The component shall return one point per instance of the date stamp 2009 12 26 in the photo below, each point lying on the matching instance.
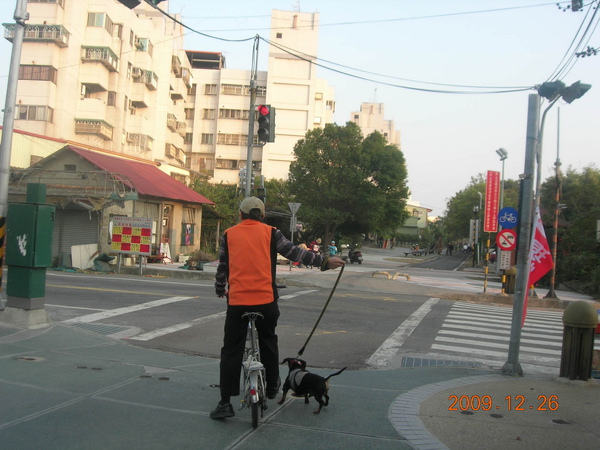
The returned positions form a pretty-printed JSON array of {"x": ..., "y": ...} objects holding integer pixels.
[{"x": 508, "y": 403}]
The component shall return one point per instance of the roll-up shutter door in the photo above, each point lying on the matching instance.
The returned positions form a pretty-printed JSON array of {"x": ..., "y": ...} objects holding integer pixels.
[{"x": 79, "y": 227}]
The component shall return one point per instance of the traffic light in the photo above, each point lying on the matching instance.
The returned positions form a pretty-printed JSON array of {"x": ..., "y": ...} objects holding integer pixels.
[
  {"x": 134, "y": 3},
  {"x": 130, "y": 3},
  {"x": 266, "y": 123},
  {"x": 242, "y": 176}
]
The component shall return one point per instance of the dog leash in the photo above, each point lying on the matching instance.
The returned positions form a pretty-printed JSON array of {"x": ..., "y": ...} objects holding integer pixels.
[{"x": 322, "y": 312}]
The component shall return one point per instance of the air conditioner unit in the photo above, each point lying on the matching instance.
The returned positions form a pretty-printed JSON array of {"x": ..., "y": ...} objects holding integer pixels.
[{"x": 137, "y": 72}]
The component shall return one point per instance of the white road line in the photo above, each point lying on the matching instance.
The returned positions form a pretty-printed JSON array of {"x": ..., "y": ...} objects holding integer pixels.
[
  {"x": 495, "y": 345},
  {"x": 556, "y": 336},
  {"x": 392, "y": 344},
  {"x": 297, "y": 294},
  {"x": 173, "y": 329},
  {"x": 490, "y": 353},
  {"x": 120, "y": 311},
  {"x": 496, "y": 337}
]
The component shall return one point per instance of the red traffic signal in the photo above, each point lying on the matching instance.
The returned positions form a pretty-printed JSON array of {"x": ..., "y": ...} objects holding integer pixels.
[{"x": 266, "y": 123}]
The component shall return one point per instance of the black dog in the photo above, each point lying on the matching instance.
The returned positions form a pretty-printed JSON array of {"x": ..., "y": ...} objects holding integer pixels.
[{"x": 304, "y": 383}]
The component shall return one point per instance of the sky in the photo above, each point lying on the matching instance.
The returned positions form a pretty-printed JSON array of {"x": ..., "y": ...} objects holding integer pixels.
[{"x": 408, "y": 54}]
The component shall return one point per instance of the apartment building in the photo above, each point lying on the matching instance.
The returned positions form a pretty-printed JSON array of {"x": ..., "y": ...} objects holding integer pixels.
[
  {"x": 97, "y": 73},
  {"x": 219, "y": 144},
  {"x": 371, "y": 118}
]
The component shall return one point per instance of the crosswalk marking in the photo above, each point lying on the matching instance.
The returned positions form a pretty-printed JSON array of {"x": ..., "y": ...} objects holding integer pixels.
[
  {"x": 173, "y": 329},
  {"x": 484, "y": 331},
  {"x": 120, "y": 311}
]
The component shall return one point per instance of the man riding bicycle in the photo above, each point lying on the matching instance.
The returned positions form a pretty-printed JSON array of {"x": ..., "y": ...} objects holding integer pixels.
[{"x": 246, "y": 275}]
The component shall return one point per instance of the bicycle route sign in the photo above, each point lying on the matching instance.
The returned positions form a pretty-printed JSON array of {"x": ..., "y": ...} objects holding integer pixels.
[
  {"x": 506, "y": 239},
  {"x": 508, "y": 217}
]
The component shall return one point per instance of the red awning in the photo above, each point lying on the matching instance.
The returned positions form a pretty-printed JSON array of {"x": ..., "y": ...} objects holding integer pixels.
[{"x": 147, "y": 179}]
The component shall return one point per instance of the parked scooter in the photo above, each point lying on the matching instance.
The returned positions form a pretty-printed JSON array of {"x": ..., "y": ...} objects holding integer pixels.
[{"x": 355, "y": 256}]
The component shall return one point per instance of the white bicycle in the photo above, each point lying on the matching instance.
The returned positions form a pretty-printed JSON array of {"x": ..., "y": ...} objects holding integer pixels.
[{"x": 255, "y": 392}]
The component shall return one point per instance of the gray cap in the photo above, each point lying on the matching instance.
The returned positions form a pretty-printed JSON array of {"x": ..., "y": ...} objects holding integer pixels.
[{"x": 250, "y": 203}]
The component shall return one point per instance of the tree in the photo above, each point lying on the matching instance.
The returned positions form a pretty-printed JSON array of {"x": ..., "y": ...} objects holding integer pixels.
[
  {"x": 459, "y": 209},
  {"x": 578, "y": 251},
  {"x": 347, "y": 183}
]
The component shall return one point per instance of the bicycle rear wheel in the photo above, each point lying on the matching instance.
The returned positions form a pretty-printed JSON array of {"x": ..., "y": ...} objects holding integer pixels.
[{"x": 254, "y": 407}]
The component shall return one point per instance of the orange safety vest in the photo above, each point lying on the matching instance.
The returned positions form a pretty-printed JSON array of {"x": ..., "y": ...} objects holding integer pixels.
[{"x": 252, "y": 263}]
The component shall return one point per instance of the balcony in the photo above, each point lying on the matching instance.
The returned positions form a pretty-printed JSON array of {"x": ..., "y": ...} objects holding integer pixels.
[
  {"x": 100, "y": 54},
  {"x": 180, "y": 127},
  {"x": 176, "y": 153},
  {"x": 92, "y": 126},
  {"x": 140, "y": 97},
  {"x": 171, "y": 122},
  {"x": 139, "y": 143},
  {"x": 40, "y": 33},
  {"x": 150, "y": 79},
  {"x": 176, "y": 66}
]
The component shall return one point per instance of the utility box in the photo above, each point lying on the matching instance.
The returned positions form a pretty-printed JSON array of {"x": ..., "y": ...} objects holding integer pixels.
[{"x": 29, "y": 235}]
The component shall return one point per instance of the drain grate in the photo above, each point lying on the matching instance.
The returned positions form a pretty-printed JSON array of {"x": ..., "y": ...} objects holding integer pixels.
[
  {"x": 421, "y": 362},
  {"x": 102, "y": 329}
]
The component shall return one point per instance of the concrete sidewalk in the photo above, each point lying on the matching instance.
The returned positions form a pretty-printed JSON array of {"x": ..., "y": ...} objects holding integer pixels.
[{"x": 63, "y": 387}]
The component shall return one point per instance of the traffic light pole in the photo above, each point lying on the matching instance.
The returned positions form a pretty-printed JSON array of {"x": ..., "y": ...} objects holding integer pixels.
[{"x": 253, "y": 72}]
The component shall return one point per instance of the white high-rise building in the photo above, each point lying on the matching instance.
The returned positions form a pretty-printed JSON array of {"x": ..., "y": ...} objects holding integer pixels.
[
  {"x": 370, "y": 118},
  {"x": 99, "y": 74}
]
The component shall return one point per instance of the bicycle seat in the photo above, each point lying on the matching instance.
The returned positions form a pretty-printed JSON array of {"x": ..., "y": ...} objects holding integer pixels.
[{"x": 253, "y": 315}]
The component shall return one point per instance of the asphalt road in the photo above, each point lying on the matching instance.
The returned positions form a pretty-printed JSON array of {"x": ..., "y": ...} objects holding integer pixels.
[{"x": 185, "y": 316}]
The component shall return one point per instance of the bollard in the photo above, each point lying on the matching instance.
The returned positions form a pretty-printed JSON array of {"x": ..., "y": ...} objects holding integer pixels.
[
  {"x": 580, "y": 320},
  {"x": 510, "y": 278}
]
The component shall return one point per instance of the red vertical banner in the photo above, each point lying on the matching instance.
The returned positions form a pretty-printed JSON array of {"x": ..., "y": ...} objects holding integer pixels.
[{"x": 492, "y": 197}]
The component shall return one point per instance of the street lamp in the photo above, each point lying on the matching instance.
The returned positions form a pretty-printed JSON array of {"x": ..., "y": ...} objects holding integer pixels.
[
  {"x": 553, "y": 91},
  {"x": 503, "y": 154}
]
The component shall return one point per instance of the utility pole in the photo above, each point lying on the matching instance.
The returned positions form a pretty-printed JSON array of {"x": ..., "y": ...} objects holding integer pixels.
[
  {"x": 253, "y": 75},
  {"x": 20, "y": 16},
  {"x": 557, "y": 207},
  {"x": 512, "y": 366}
]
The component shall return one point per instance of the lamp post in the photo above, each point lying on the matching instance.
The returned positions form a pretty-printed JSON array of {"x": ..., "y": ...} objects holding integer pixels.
[
  {"x": 503, "y": 155},
  {"x": 554, "y": 91}
]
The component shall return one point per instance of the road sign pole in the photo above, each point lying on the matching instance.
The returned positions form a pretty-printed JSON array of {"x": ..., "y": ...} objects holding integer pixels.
[{"x": 512, "y": 366}]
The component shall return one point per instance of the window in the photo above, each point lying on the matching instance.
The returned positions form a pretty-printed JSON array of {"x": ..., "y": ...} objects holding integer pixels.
[
  {"x": 100, "y": 20},
  {"x": 319, "y": 96},
  {"x": 30, "y": 112},
  {"x": 188, "y": 226},
  {"x": 232, "y": 139},
  {"x": 189, "y": 138},
  {"x": 144, "y": 45},
  {"x": 234, "y": 114},
  {"x": 129, "y": 69},
  {"x": 70, "y": 168},
  {"x": 210, "y": 89},
  {"x": 38, "y": 73},
  {"x": 208, "y": 113},
  {"x": 261, "y": 91},
  {"x": 279, "y": 35},
  {"x": 192, "y": 90},
  {"x": 207, "y": 138},
  {"x": 126, "y": 103},
  {"x": 189, "y": 113},
  {"x": 227, "y": 164},
  {"x": 330, "y": 106},
  {"x": 112, "y": 98}
]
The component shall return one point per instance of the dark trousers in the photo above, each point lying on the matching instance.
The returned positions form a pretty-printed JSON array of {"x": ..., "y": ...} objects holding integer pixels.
[{"x": 234, "y": 341}]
